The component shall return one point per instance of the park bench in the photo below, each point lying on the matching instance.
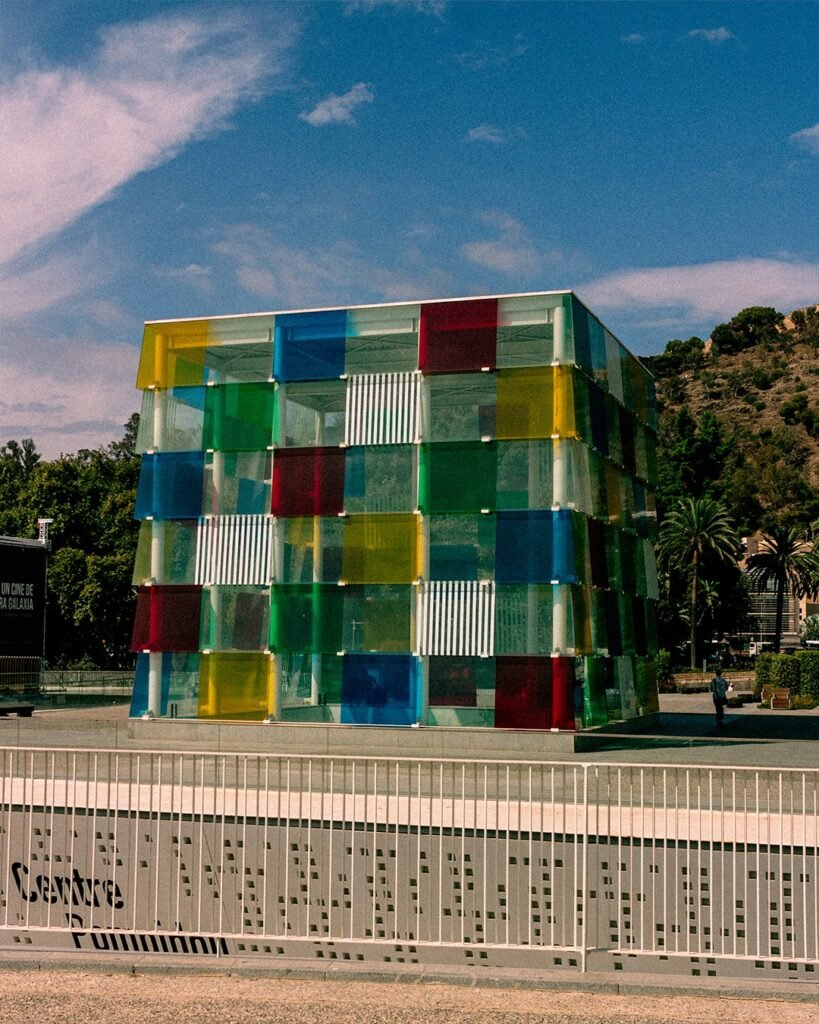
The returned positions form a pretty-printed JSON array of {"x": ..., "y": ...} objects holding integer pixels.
[{"x": 21, "y": 710}]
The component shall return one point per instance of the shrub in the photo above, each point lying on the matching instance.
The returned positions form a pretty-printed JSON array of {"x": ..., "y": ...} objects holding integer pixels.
[
  {"x": 801, "y": 703},
  {"x": 808, "y": 662},
  {"x": 785, "y": 672},
  {"x": 663, "y": 666},
  {"x": 763, "y": 671}
]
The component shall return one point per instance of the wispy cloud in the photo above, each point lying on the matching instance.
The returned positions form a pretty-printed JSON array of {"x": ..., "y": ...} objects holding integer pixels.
[
  {"x": 485, "y": 56},
  {"x": 488, "y": 133},
  {"x": 339, "y": 109},
  {"x": 511, "y": 252},
  {"x": 807, "y": 138},
  {"x": 50, "y": 280},
  {"x": 715, "y": 36},
  {"x": 707, "y": 290},
  {"x": 634, "y": 38},
  {"x": 75, "y": 135},
  {"x": 289, "y": 277},
  {"x": 194, "y": 275},
  {"x": 434, "y": 7}
]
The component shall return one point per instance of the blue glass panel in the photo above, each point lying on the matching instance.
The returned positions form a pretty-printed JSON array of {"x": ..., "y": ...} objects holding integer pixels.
[
  {"x": 523, "y": 546},
  {"x": 354, "y": 473},
  {"x": 310, "y": 346},
  {"x": 171, "y": 486},
  {"x": 563, "y": 561},
  {"x": 380, "y": 689}
]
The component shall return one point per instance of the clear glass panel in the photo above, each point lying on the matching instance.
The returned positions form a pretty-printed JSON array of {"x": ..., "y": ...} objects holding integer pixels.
[
  {"x": 382, "y": 339},
  {"x": 523, "y": 619},
  {"x": 178, "y": 427},
  {"x": 236, "y": 619},
  {"x": 239, "y": 417},
  {"x": 179, "y": 686},
  {"x": 309, "y": 550},
  {"x": 458, "y": 336},
  {"x": 525, "y": 470},
  {"x": 238, "y": 483},
  {"x": 240, "y": 349},
  {"x": 310, "y": 414},
  {"x": 462, "y": 547},
  {"x": 235, "y": 686},
  {"x": 378, "y": 618},
  {"x": 380, "y": 479},
  {"x": 174, "y": 555},
  {"x": 457, "y": 477},
  {"x": 526, "y": 329},
  {"x": 301, "y": 672},
  {"x": 459, "y": 407},
  {"x": 380, "y": 548}
]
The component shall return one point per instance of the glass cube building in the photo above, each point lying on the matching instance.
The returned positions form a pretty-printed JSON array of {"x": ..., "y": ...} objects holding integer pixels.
[{"x": 435, "y": 513}]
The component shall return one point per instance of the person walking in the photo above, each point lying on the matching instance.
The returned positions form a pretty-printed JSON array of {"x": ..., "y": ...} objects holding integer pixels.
[{"x": 719, "y": 689}]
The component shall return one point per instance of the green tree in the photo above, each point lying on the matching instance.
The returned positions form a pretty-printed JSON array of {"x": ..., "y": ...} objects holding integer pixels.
[
  {"x": 784, "y": 562},
  {"x": 751, "y": 326},
  {"x": 697, "y": 534}
]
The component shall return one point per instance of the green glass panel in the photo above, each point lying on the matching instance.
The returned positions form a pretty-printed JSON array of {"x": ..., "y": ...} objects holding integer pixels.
[
  {"x": 308, "y": 549},
  {"x": 524, "y": 473},
  {"x": 523, "y": 619},
  {"x": 613, "y": 431},
  {"x": 625, "y": 606},
  {"x": 460, "y": 407},
  {"x": 580, "y": 540},
  {"x": 378, "y": 618},
  {"x": 239, "y": 417},
  {"x": 457, "y": 477},
  {"x": 175, "y": 552},
  {"x": 526, "y": 329},
  {"x": 382, "y": 339},
  {"x": 306, "y": 618},
  {"x": 310, "y": 414},
  {"x": 380, "y": 478},
  {"x": 380, "y": 548},
  {"x": 614, "y": 366},
  {"x": 235, "y": 618},
  {"x": 595, "y": 678}
]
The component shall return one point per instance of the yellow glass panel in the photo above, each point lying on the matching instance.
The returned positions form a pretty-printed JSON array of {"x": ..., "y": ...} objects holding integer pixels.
[
  {"x": 173, "y": 355},
  {"x": 235, "y": 686},
  {"x": 564, "y": 417},
  {"x": 525, "y": 403},
  {"x": 380, "y": 548}
]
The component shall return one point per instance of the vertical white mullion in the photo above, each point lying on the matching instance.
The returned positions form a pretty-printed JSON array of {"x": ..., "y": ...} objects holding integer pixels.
[
  {"x": 349, "y": 402},
  {"x": 365, "y": 412}
]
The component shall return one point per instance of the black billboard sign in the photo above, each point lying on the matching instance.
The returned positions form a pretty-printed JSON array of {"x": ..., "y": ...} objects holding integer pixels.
[{"x": 22, "y": 600}]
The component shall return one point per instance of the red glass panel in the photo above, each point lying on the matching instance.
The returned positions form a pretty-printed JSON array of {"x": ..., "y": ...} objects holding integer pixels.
[
  {"x": 563, "y": 693},
  {"x": 167, "y": 619},
  {"x": 523, "y": 693},
  {"x": 458, "y": 336},
  {"x": 453, "y": 682},
  {"x": 308, "y": 482}
]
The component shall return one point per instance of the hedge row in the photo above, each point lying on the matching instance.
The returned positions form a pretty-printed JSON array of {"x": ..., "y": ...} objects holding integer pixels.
[{"x": 799, "y": 672}]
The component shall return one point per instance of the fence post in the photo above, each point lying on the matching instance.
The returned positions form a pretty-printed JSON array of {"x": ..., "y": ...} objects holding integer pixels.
[{"x": 584, "y": 903}]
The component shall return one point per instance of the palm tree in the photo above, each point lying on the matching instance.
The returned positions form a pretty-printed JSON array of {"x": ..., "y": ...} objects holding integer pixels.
[
  {"x": 697, "y": 531},
  {"x": 784, "y": 559}
]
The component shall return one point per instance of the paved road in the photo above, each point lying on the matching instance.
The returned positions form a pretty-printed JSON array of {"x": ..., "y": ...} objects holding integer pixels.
[{"x": 95, "y": 997}]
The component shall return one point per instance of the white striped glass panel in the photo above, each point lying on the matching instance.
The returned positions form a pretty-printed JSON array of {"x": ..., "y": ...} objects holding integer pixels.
[
  {"x": 456, "y": 617},
  {"x": 234, "y": 550},
  {"x": 382, "y": 408}
]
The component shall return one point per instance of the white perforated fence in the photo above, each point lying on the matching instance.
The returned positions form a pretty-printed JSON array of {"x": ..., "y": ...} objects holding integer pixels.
[{"x": 495, "y": 863}]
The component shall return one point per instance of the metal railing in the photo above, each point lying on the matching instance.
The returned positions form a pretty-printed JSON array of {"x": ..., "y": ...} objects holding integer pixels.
[{"x": 256, "y": 853}]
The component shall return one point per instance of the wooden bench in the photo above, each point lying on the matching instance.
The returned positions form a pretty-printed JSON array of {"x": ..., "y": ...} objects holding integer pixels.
[
  {"x": 766, "y": 694},
  {"x": 21, "y": 710},
  {"x": 781, "y": 700}
]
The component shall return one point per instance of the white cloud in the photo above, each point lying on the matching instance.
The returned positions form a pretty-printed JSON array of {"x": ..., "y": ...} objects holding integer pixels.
[
  {"x": 74, "y": 135},
  {"x": 484, "y": 56},
  {"x": 635, "y": 38},
  {"x": 334, "y": 274},
  {"x": 79, "y": 400},
  {"x": 488, "y": 133},
  {"x": 808, "y": 139},
  {"x": 512, "y": 252},
  {"x": 715, "y": 36},
  {"x": 339, "y": 109},
  {"x": 707, "y": 291},
  {"x": 434, "y": 7},
  {"x": 194, "y": 275},
  {"x": 48, "y": 281}
]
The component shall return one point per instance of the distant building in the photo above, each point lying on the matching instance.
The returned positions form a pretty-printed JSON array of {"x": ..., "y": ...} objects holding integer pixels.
[
  {"x": 22, "y": 613},
  {"x": 424, "y": 512}
]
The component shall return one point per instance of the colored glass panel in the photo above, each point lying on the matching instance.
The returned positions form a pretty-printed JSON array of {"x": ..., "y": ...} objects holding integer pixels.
[
  {"x": 383, "y": 339},
  {"x": 597, "y": 432},
  {"x": 458, "y": 336},
  {"x": 461, "y": 407},
  {"x": 309, "y": 550},
  {"x": 582, "y": 325},
  {"x": 239, "y": 417},
  {"x": 457, "y": 477},
  {"x": 238, "y": 483},
  {"x": 378, "y": 618},
  {"x": 235, "y": 618},
  {"x": 595, "y": 711},
  {"x": 456, "y": 682},
  {"x": 171, "y": 420},
  {"x": 173, "y": 354},
  {"x": 535, "y": 546},
  {"x": 461, "y": 547},
  {"x": 236, "y": 686},
  {"x": 525, "y": 403},
  {"x": 597, "y": 552},
  {"x": 523, "y": 693},
  {"x": 179, "y": 686},
  {"x": 310, "y": 346},
  {"x": 166, "y": 552},
  {"x": 310, "y": 414},
  {"x": 308, "y": 482},
  {"x": 307, "y": 618},
  {"x": 380, "y": 689},
  {"x": 380, "y": 548},
  {"x": 171, "y": 486},
  {"x": 380, "y": 478},
  {"x": 167, "y": 619}
]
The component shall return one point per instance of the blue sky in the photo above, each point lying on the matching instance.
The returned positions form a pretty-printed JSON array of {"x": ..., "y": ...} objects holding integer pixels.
[{"x": 168, "y": 160}]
